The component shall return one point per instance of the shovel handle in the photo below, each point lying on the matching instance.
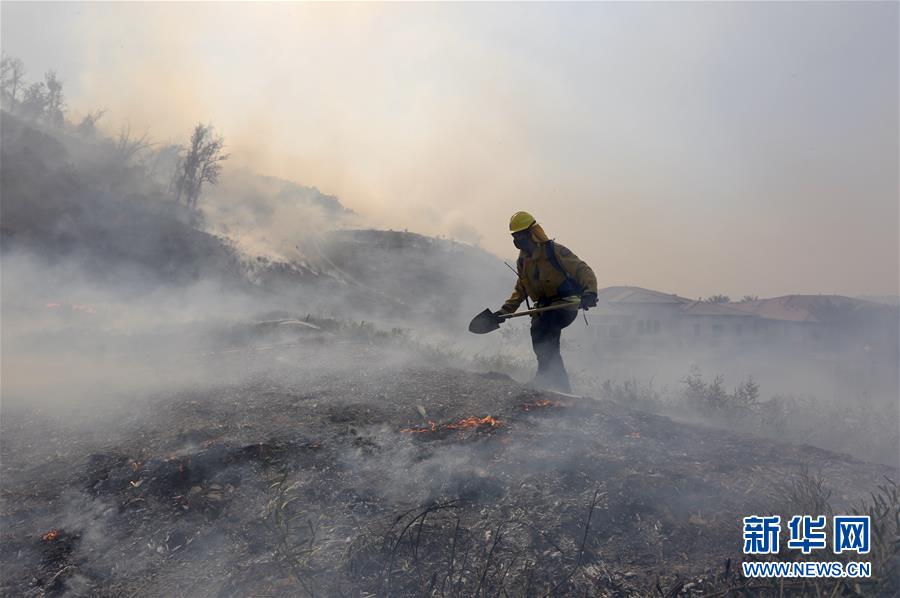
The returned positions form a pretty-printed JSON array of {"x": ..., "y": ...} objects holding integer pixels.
[{"x": 537, "y": 310}]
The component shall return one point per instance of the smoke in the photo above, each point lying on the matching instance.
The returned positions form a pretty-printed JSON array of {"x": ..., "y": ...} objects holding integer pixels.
[
  {"x": 198, "y": 381},
  {"x": 842, "y": 399},
  {"x": 107, "y": 283},
  {"x": 271, "y": 217},
  {"x": 413, "y": 123}
]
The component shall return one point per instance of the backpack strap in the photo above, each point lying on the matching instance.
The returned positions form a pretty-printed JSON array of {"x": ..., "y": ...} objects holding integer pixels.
[
  {"x": 573, "y": 284},
  {"x": 551, "y": 255}
]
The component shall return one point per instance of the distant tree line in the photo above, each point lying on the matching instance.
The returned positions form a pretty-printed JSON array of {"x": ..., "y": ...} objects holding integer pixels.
[
  {"x": 720, "y": 298},
  {"x": 42, "y": 100},
  {"x": 195, "y": 166}
]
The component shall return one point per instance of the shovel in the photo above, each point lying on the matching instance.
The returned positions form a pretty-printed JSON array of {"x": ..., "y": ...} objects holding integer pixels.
[{"x": 486, "y": 321}]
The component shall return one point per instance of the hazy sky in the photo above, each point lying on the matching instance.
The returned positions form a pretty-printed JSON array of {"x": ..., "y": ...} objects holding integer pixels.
[{"x": 689, "y": 147}]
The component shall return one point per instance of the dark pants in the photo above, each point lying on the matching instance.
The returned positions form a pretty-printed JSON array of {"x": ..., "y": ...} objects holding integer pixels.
[{"x": 545, "y": 332}]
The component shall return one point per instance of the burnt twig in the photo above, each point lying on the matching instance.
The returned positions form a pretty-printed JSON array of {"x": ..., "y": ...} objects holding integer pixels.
[
  {"x": 396, "y": 544},
  {"x": 452, "y": 556},
  {"x": 490, "y": 556},
  {"x": 578, "y": 563}
]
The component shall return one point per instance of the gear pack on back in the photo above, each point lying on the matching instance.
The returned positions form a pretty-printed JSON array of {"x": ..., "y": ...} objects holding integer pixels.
[{"x": 569, "y": 286}]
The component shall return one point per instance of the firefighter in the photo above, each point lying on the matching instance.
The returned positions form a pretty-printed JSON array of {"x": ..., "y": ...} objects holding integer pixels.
[{"x": 548, "y": 273}]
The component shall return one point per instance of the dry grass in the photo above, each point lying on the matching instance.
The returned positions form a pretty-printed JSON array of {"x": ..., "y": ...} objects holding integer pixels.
[{"x": 865, "y": 428}]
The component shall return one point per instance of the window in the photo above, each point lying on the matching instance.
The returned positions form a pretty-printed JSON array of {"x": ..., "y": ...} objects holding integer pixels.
[
  {"x": 738, "y": 329},
  {"x": 717, "y": 329},
  {"x": 696, "y": 329}
]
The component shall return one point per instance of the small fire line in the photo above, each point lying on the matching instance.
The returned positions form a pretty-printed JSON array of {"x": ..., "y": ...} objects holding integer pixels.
[{"x": 469, "y": 422}]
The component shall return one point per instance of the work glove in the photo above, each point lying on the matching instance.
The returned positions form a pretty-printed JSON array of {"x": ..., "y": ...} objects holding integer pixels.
[
  {"x": 588, "y": 299},
  {"x": 499, "y": 313}
]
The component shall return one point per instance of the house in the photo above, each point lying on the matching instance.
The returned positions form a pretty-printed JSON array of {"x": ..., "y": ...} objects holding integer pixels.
[
  {"x": 828, "y": 322},
  {"x": 632, "y": 318},
  {"x": 623, "y": 313},
  {"x": 703, "y": 320}
]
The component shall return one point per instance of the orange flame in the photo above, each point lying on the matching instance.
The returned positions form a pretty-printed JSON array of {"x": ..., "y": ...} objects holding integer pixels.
[
  {"x": 432, "y": 428},
  {"x": 474, "y": 422},
  {"x": 469, "y": 422},
  {"x": 50, "y": 536}
]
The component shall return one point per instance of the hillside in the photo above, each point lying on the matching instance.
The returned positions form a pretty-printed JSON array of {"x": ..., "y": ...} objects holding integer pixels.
[
  {"x": 70, "y": 202},
  {"x": 422, "y": 277},
  {"x": 50, "y": 208}
]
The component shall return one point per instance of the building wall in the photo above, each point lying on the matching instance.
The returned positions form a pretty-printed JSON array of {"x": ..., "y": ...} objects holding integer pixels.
[{"x": 647, "y": 328}]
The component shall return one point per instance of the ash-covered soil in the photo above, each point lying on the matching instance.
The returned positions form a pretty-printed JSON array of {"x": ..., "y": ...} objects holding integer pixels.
[{"x": 338, "y": 468}]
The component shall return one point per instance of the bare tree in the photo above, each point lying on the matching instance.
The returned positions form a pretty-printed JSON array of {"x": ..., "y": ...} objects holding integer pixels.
[
  {"x": 55, "y": 108},
  {"x": 12, "y": 75},
  {"x": 748, "y": 298},
  {"x": 34, "y": 100},
  {"x": 127, "y": 146},
  {"x": 718, "y": 299},
  {"x": 200, "y": 164},
  {"x": 40, "y": 100}
]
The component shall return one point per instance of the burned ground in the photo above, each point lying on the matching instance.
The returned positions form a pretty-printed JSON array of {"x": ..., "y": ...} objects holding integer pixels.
[{"x": 337, "y": 467}]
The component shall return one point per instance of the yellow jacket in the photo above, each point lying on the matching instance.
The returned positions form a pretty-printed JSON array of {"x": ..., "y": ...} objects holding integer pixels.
[{"x": 541, "y": 280}]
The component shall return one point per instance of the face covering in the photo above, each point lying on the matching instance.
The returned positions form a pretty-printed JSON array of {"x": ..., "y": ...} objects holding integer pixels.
[{"x": 521, "y": 243}]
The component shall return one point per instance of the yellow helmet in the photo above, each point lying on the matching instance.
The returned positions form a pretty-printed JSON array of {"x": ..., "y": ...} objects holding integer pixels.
[{"x": 521, "y": 221}]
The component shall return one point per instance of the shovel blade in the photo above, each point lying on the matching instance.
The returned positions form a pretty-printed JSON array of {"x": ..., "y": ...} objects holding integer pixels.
[{"x": 484, "y": 322}]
